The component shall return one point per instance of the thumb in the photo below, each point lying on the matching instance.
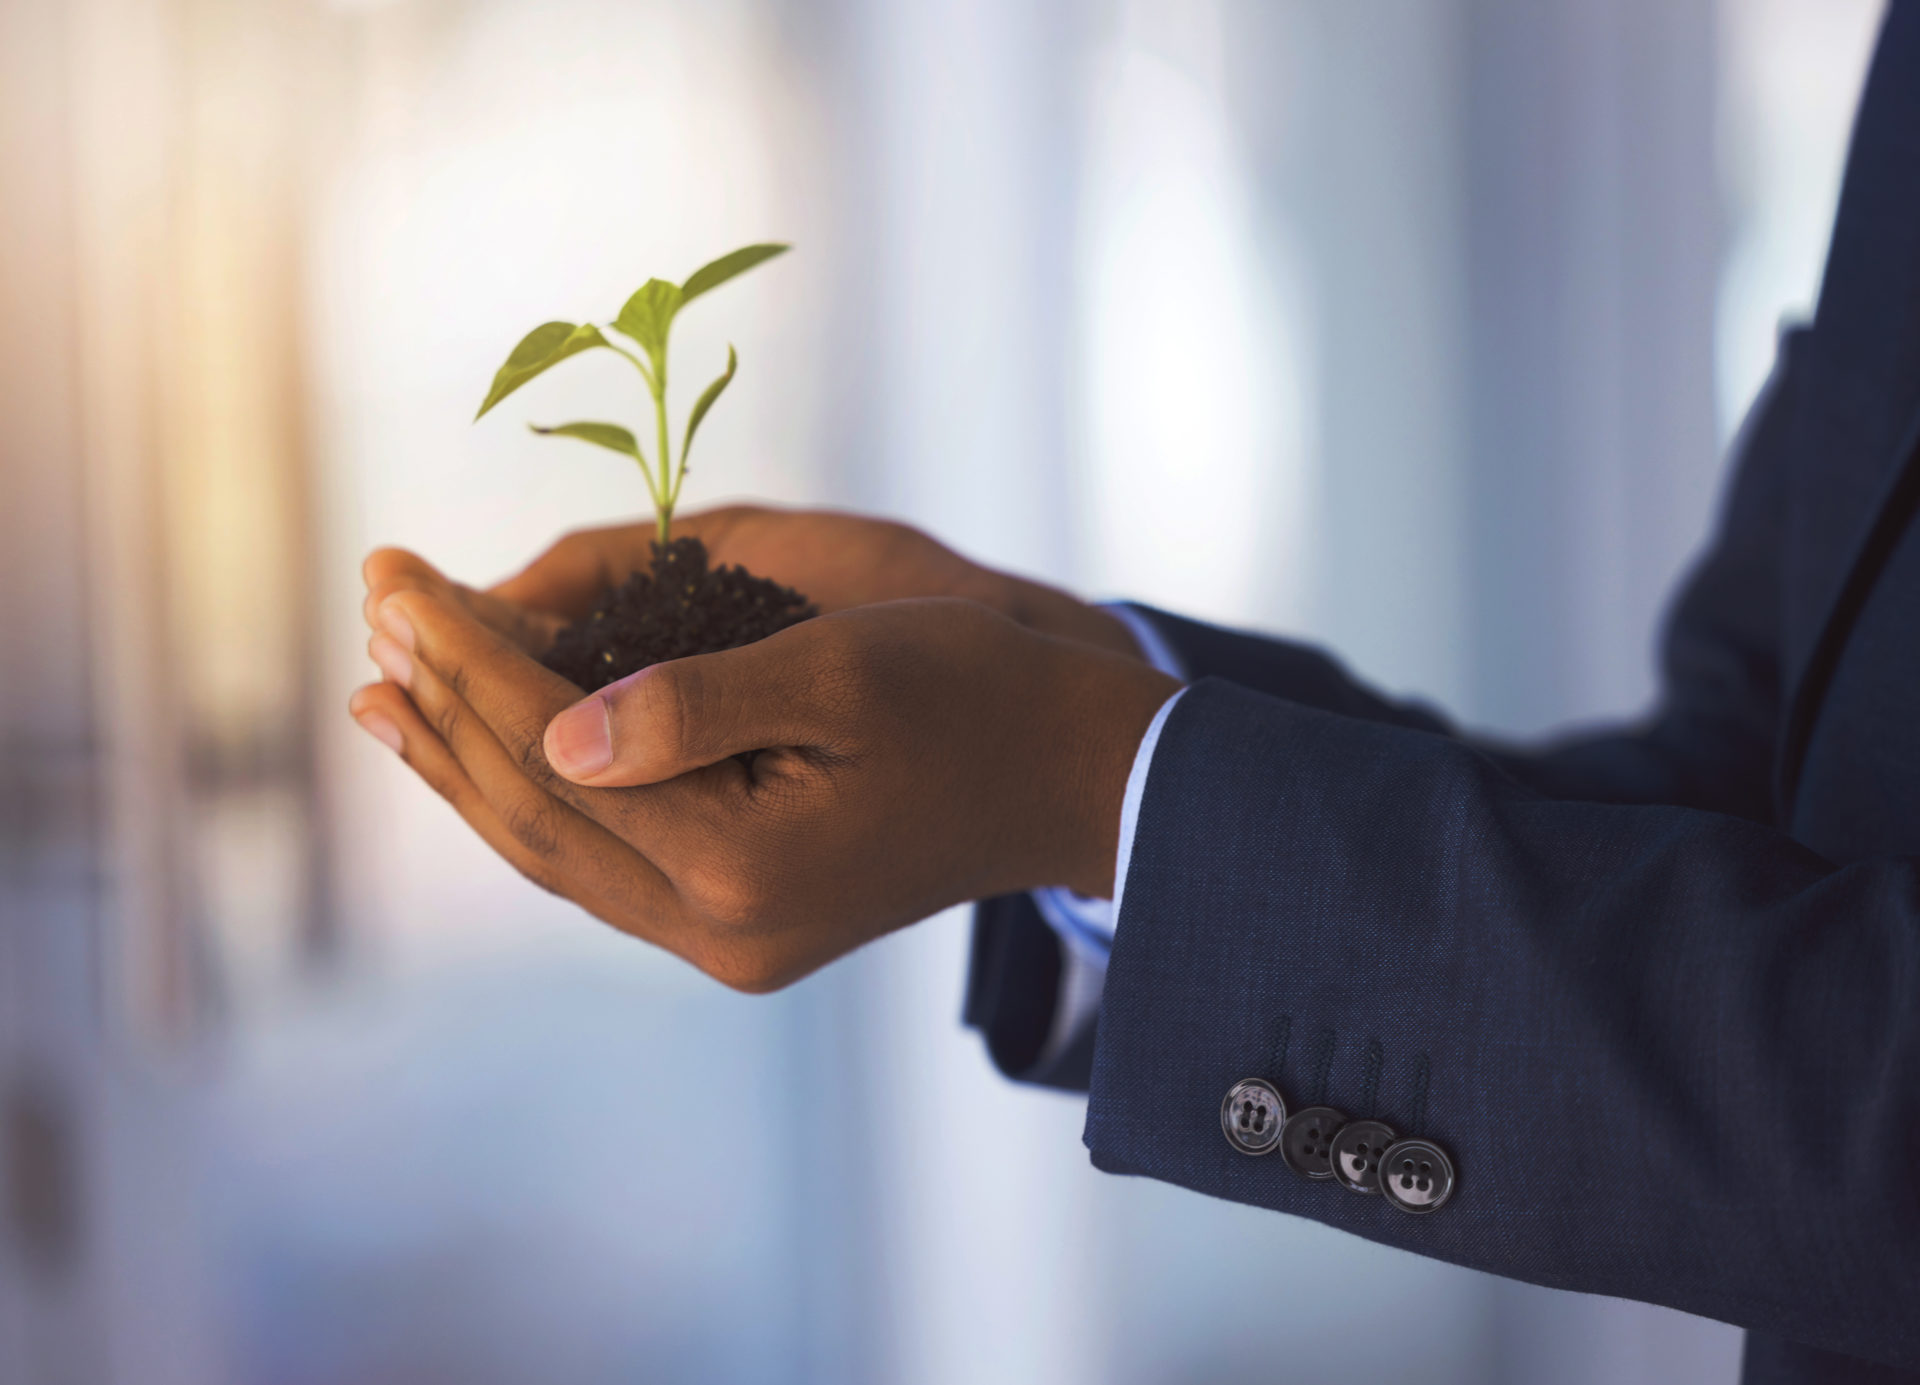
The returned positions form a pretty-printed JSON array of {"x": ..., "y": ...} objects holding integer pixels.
[{"x": 687, "y": 713}]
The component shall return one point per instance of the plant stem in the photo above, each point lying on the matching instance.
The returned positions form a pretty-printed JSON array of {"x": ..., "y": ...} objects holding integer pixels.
[
  {"x": 653, "y": 488},
  {"x": 679, "y": 478},
  {"x": 664, "y": 497}
]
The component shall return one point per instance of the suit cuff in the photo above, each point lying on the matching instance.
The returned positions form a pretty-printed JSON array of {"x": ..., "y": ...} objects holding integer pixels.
[{"x": 1021, "y": 996}]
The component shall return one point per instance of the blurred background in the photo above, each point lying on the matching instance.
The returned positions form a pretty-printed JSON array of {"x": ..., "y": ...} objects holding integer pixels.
[{"x": 1418, "y": 327}]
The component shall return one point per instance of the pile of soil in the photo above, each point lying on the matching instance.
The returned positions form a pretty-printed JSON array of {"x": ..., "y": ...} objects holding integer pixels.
[{"x": 676, "y": 608}]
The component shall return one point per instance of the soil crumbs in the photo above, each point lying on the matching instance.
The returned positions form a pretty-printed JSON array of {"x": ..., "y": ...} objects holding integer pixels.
[{"x": 677, "y": 608}]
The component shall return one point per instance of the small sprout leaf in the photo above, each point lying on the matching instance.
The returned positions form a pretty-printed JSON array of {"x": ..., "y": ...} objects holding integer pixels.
[
  {"x": 647, "y": 316},
  {"x": 705, "y": 402},
  {"x": 608, "y": 435},
  {"x": 540, "y": 350},
  {"x": 645, "y": 321},
  {"x": 711, "y": 276}
]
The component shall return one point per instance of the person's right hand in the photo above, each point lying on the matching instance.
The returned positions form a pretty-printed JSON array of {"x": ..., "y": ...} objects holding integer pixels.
[
  {"x": 838, "y": 561},
  {"x": 908, "y": 756}
]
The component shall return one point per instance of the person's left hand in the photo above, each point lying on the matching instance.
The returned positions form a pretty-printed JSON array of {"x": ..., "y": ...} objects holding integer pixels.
[
  {"x": 764, "y": 810},
  {"x": 838, "y": 560}
]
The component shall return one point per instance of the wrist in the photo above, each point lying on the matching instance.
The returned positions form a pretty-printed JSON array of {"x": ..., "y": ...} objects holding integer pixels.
[{"x": 1100, "y": 714}]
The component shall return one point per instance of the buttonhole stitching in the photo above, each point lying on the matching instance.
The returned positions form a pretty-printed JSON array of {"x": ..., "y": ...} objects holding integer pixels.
[
  {"x": 1283, "y": 1030},
  {"x": 1370, "y": 1077},
  {"x": 1421, "y": 1069},
  {"x": 1326, "y": 1042}
]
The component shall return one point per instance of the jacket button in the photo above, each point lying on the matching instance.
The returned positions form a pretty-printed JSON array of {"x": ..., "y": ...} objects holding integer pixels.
[
  {"x": 1306, "y": 1142},
  {"x": 1252, "y": 1115},
  {"x": 1356, "y": 1154},
  {"x": 1416, "y": 1176}
]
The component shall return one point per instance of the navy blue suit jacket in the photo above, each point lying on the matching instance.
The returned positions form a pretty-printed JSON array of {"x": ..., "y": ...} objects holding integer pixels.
[{"x": 1658, "y": 990}]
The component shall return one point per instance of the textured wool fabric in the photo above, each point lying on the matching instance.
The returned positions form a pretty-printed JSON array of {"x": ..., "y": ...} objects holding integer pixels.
[
  {"x": 1771, "y": 1361},
  {"x": 1656, "y": 989},
  {"x": 1609, "y": 1014}
]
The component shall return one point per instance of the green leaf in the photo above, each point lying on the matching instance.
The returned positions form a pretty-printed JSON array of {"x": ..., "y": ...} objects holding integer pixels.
[
  {"x": 608, "y": 435},
  {"x": 541, "y": 349},
  {"x": 649, "y": 314},
  {"x": 711, "y": 276},
  {"x": 705, "y": 402}
]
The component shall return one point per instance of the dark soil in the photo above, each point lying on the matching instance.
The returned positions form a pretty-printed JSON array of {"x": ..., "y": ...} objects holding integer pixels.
[{"x": 678, "y": 607}]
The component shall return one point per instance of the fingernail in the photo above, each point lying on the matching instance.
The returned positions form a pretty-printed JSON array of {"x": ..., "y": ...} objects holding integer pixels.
[
  {"x": 382, "y": 730},
  {"x": 394, "y": 621},
  {"x": 580, "y": 739},
  {"x": 392, "y": 659}
]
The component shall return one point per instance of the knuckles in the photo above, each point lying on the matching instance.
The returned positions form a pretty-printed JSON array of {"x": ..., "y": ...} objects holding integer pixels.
[
  {"x": 656, "y": 719},
  {"x": 732, "y": 898},
  {"x": 526, "y": 741},
  {"x": 672, "y": 702},
  {"x": 458, "y": 681},
  {"x": 533, "y": 820},
  {"x": 444, "y": 713},
  {"x": 745, "y": 944},
  {"x": 756, "y": 980},
  {"x": 751, "y": 969}
]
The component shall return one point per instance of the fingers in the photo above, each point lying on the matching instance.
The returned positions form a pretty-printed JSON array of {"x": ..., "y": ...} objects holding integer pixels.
[
  {"x": 676, "y": 717},
  {"x": 384, "y": 712},
  {"x": 475, "y": 670},
  {"x": 531, "y": 628},
  {"x": 391, "y": 570},
  {"x": 468, "y": 671},
  {"x": 674, "y": 872},
  {"x": 546, "y": 838},
  {"x": 388, "y": 570}
]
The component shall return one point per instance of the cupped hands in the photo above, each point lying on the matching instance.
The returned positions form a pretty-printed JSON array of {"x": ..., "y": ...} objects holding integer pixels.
[{"x": 764, "y": 810}]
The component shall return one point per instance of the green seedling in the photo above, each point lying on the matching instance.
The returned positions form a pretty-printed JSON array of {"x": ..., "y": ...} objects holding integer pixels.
[{"x": 646, "y": 320}]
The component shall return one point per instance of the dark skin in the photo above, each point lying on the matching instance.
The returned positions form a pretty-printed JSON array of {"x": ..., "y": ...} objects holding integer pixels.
[{"x": 942, "y": 733}]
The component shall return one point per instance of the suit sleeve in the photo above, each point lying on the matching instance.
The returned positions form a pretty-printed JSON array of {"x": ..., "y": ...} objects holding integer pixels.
[
  {"x": 1709, "y": 745},
  {"x": 1675, "y": 1055}
]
